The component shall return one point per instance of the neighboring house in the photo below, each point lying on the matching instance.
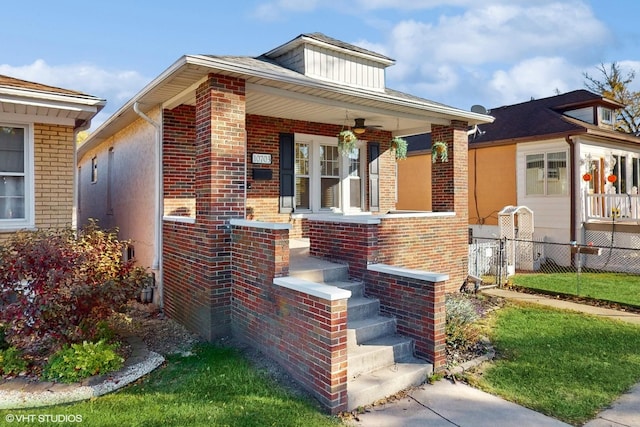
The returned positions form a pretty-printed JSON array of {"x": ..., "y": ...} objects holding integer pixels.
[
  {"x": 558, "y": 156},
  {"x": 38, "y": 128},
  {"x": 219, "y": 161}
]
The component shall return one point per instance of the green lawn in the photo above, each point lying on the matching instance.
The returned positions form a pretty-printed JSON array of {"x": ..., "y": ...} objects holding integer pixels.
[
  {"x": 616, "y": 287},
  {"x": 563, "y": 364},
  {"x": 214, "y": 387}
]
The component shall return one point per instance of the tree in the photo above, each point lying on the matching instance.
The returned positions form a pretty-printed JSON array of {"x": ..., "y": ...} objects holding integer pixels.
[{"x": 615, "y": 85}]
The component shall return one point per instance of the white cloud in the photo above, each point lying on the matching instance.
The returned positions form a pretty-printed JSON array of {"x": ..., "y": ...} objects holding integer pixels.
[
  {"x": 535, "y": 78},
  {"x": 116, "y": 86}
]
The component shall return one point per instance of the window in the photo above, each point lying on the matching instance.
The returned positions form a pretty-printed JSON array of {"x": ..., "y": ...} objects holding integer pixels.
[
  {"x": 110, "y": 178},
  {"x": 546, "y": 174},
  {"x": 635, "y": 167},
  {"x": 325, "y": 180},
  {"x": 302, "y": 176},
  {"x": 16, "y": 191},
  {"x": 605, "y": 115},
  {"x": 620, "y": 171},
  {"x": 94, "y": 169},
  {"x": 329, "y": 177}
]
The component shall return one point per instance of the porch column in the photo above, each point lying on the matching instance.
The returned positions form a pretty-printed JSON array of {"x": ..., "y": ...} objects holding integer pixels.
[
  {"x": 450, "y": 180},
  {"x": 450, "y": 193},
  {"x": 219, "y": 188}
]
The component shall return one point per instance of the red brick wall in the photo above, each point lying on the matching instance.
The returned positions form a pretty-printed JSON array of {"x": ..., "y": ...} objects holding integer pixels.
[
  {"x": 353, "y": 243},
  {"x": 418, "y": 307},
  {"x": 304, "y": 333},
  {"x": 197, "y": 257},
  {"x": 179, "y": 150},
  {"x": 436, "y": 244}
]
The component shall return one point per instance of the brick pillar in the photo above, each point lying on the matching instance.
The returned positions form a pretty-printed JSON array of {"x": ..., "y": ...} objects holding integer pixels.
[
  {"x": 449, "y": 180},
  {"x": 219, "y": 188}
]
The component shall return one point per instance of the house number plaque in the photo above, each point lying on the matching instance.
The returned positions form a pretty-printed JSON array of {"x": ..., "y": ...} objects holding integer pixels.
[{"x": 261, "y": 159}]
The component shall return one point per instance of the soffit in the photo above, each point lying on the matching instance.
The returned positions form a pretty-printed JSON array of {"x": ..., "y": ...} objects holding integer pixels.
[{"x": 277, "y": 92}]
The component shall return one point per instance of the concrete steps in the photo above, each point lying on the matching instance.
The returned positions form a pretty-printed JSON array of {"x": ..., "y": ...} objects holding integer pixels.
[{"x": 380, "y": 362}]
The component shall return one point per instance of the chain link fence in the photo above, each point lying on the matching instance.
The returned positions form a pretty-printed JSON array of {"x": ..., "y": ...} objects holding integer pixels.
[{"x": 495, "y": 260}]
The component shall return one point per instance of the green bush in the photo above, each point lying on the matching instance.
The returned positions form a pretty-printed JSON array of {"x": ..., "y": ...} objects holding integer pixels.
[
  {"x": 461, "y": 314},
  {"x": 11, "y": 361},
  {"x": 80, "y": 361}
]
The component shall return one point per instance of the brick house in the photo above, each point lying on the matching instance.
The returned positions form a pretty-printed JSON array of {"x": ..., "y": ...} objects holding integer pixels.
[
  {"x": 38, "y": 128},
  {"x": 221, "y": 162}
]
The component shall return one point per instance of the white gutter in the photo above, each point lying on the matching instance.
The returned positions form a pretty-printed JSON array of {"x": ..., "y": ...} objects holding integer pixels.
[{"x": 158, "y": 214}]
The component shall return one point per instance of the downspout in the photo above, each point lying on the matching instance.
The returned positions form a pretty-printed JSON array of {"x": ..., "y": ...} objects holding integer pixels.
[
  {"x": 156, "y": 265},
  {"x": 74, "y": 209},
  {"x": 572, "y": 188}
]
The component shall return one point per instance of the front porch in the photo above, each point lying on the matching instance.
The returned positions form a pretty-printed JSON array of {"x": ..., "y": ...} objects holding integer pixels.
[
  {"x": 619, "y": 208},
  {"x": 349, "y": 330}
]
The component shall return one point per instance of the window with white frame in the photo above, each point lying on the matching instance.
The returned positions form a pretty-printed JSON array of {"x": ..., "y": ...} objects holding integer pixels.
[
  {"x": 546, "y": 174},
  {"x": 94, "y": 169},
  {"x": 16, "y": 192},
  {"x": 325, "y": 180},
  {"x": 606, "y": 115}
]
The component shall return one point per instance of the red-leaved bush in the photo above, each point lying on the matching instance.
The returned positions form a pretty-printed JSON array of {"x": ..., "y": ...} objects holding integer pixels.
[{"x": 55, "y": 285}]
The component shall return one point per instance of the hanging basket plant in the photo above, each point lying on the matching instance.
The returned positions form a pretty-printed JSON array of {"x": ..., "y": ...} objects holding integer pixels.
[
  {"x": 347, "y": 142},
  {"x": 439, "y": 151},
  {"x": 399, "y": 145}
]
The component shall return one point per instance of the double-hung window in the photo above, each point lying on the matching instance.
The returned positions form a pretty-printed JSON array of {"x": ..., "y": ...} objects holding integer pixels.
[
  {"x": 16, "y": 190},
  {"x": 325, "y": 180},
  {"x": 546, "y": 174}
]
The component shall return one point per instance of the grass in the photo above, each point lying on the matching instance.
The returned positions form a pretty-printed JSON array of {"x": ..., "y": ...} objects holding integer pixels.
[
  {"x": 564, "y": 364},
  {"x": 215, "y": 386},
  {"x": 615, "y": 287}
]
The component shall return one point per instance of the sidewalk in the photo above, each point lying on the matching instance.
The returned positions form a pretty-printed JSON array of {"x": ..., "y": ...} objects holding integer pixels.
[{"x": 445, "y": 404}]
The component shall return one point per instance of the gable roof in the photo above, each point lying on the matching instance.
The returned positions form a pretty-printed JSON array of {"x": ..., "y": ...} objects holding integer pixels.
[
  {"x": 274, "y": 90},
  {"x": 544, "y": 118},
  {"x": 52, "y": 104}
]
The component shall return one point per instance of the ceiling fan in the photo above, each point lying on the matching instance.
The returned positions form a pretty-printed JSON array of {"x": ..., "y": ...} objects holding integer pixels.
[{"x": 359, "y": 127}]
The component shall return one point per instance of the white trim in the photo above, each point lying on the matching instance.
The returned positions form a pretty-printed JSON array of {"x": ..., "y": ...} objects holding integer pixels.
[
  {"x": 32, "y": 118},
  {"x": 320, "y": 290},
  {"x": 347, "y": 219},
  {"x": 260, "y": 224},
  {"x": 406, "y": 272},
  {"x": 183, "y": 219},
  {"x": 29, "y": 182},
  {"x": 63, "y": 101}
]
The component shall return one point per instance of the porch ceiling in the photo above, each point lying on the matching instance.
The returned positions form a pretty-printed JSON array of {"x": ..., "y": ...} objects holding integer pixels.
[{"x": 277, "y": 92}]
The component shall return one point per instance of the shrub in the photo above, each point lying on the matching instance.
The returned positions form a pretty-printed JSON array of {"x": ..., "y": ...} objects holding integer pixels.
[
  {"x": 11, "y": 361},
  {"x": 79, "y": 361},
  {"x": 461, "y": 314},
  {"x": 56, "y": 285}
]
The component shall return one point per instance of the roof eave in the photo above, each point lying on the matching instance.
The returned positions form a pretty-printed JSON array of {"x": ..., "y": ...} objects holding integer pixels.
[{"x": 213, "y": 64}]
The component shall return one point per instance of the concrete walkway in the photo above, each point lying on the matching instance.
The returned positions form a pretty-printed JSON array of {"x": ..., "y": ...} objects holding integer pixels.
[{"x": 445, "y": 404}]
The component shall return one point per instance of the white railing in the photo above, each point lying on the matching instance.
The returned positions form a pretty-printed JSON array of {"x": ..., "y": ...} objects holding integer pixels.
[{"x": 612, "y": 207}]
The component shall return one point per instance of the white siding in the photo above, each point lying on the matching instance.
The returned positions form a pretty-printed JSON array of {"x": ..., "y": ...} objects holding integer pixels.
[
  {"x": 337, "y": 67},
  {"x": 551, "y": 214}
]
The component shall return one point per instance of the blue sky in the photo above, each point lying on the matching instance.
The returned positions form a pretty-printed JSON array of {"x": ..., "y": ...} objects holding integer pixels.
[{"x": 458, "y": 52}]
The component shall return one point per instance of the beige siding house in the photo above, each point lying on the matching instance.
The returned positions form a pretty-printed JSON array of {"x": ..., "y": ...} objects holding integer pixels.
[{"x": 38, "y": 127}]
